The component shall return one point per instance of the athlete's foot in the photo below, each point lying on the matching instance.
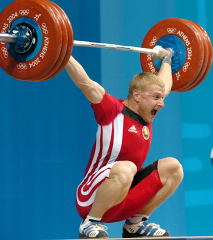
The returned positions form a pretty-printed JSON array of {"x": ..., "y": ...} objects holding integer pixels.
[
  {"x": 92, "y": 230},
  {"x": 143, "y": 229}
]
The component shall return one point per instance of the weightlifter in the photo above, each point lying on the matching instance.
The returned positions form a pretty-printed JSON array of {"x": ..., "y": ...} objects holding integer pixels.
[{"x": 115, "y": 187}]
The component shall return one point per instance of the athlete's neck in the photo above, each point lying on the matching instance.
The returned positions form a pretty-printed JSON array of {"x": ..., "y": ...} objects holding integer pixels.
[{"x": 131, "y": 105}]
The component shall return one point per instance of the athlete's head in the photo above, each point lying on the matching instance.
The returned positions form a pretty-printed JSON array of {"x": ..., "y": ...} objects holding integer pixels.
[{"x": 146, "y": 95}]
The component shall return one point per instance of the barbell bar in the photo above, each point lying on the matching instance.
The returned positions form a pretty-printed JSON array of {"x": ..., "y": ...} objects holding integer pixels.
[
  {"x": 156, "y": 52},
  {"x": 44, "y": 29},
  {"x": 8, "y": 38}
]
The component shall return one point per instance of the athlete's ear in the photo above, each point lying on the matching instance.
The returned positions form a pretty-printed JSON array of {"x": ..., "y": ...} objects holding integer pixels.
[{"x": 136, "y": 94}]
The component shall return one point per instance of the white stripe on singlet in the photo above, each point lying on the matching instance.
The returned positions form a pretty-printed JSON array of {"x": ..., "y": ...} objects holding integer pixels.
[
  {"x": 117, "y": 143},
  {"x": 97, "y": 149},
  {"x": 118, "y": 137},
  {"x": 106, "y": 138},
  {"x": 103, "y": 175},
  {"x": 98, "y": 176}
]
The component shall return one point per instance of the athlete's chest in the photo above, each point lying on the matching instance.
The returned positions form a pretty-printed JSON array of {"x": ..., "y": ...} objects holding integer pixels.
[
  {"x": 136, "y": 141},
  {"x": 136, "y": 135}
]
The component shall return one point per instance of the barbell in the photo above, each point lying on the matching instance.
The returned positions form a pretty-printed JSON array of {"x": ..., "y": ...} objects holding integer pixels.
[{"x": 36, "y": 40}]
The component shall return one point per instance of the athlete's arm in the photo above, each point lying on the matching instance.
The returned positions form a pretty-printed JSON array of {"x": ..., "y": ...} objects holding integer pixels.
[
  {"x": 93, "y": 91},
  {"x": 165, "y": 72}
]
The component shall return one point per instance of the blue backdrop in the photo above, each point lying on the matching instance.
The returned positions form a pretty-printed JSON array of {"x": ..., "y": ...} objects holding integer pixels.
[{"x": 47, "y": 128}]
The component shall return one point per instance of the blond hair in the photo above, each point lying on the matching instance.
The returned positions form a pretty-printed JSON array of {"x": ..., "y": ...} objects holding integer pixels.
[{"x": 142, "y": 80}]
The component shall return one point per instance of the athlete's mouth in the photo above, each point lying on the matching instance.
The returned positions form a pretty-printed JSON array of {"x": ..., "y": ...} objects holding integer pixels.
[{"x": 154, "y": 112}]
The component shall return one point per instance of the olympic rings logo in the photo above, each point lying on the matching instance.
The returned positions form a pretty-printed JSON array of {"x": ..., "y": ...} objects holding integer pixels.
[
  {"x": 24, "y": 12},
  {"x": 44, "y": 28},
  {"x": 171, "y": 30},
  {"x": 153, "y": 41},
  {"x": 5, "y": 52},
  {"x": 186, "y": 66},
  {"x": 22, "y": 66}
]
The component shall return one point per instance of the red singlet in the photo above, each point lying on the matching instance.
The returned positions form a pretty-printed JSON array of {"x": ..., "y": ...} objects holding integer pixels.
[{"x": 121, "y": 135}]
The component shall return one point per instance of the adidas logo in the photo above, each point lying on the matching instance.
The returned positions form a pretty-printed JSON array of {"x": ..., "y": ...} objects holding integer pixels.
[{"x": 133, "y": 129}]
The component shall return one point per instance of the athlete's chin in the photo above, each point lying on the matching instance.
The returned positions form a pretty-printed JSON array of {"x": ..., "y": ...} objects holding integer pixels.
[
  {"x": 150, "y": 121},
  {"x": 150, "y": 118}
]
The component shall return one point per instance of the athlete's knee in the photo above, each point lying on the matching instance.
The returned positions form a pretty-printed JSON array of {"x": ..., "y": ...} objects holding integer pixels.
[
  {"x": 123, "y": 172},
  {"x": 170, "y": 168}
]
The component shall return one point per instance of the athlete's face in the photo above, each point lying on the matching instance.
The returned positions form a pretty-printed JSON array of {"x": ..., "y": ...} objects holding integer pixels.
[{"x": 150, "y": 102}]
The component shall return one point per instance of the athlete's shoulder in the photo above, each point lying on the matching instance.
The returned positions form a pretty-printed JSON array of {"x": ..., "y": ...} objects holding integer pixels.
[{"x": 107, "y": 109}]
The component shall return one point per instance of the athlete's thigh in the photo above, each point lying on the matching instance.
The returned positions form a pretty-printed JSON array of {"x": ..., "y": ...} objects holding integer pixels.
[
  {"x": 86, "y": 191},
  {"x": 144, "y": 187},
  {"x": 144, "y": 172}
]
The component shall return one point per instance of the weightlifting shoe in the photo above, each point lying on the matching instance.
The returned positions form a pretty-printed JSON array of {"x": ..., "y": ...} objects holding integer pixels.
[
  {"x": 92, "y": 229},
  {"x": 143, "y": 229}
]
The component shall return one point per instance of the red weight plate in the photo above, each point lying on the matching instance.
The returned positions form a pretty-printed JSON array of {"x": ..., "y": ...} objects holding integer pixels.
[
  {"x": 70, "y": 39},
  {"x": 41, "y": 64},
  {"x": 67, "y": 38},
  {"x": 191, "y": 84},
  {"x": 209, "y": 63},
  {"x": 210, "y": 50},
  {"x": 192, "y": 42},
  {"x": 207, "y": 42},
  {"x": 64, "y": 43},
  {"x": 205, "y": 62},
  {"x": 69, "y": 35},
  {"x": 62, "y": 32}
]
